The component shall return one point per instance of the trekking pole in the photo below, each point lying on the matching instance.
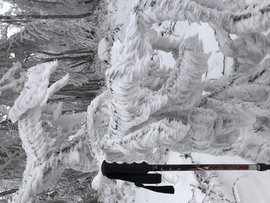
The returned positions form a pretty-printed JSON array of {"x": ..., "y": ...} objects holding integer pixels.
[
  {"x": 138, "y": 172},
  {"x": 144, "y": 168}
]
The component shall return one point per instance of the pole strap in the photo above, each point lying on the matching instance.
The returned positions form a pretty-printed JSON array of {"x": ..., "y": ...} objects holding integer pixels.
[
  {"x": 167, "y": 189},
  {"x": 136, "y": 173}
]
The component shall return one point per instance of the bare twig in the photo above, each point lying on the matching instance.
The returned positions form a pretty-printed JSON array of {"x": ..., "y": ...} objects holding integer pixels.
[
  {"x": 8, "y": 192},
  {"x": 224, "y": 65}
]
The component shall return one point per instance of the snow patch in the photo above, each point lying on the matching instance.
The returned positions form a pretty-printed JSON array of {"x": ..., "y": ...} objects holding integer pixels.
[{"x": 103, "y": 50}]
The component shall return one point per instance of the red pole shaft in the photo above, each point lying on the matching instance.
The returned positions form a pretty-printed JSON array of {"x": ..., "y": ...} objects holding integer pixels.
[{"x": 204, "y": 167}]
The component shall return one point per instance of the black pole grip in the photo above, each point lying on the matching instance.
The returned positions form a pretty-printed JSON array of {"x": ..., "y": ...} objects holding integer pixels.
[
  {"x": 263, "y": 167},
  {"x": 124, "y": 168}
]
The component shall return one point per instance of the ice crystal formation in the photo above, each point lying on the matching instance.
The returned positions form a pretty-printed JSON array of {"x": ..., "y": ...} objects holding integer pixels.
[{"x": 148, "y": 109}]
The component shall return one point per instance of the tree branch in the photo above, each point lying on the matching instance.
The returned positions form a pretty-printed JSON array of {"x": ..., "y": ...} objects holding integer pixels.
[
  {"x": 80, "y": 57},
  {"x": 8, "y": 192},
  {"x": 23, "y": 17},
  {"x": 77, "y": 51}
]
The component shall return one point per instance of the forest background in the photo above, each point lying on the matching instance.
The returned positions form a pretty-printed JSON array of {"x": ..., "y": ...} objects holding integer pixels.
[{"x": 34, "y": 32}]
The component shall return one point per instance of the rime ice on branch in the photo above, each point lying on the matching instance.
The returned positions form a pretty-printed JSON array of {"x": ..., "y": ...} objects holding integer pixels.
[
  {"x": 179, "y": 111},
  {"x": 46, "y": 160},
  {"x": 147, "y": 109},
  {"x": 11, "y": 84}
]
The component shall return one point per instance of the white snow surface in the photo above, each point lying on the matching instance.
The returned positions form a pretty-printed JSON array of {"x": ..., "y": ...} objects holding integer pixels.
[
  {"x": 250, "y": 186},
  {"x": 224, "y": 186}
]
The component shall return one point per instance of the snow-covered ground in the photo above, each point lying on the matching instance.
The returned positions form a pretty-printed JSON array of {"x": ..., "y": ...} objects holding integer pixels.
[
  {"x": 223, "y": 186},
  {"x": 232, "y": 186}
]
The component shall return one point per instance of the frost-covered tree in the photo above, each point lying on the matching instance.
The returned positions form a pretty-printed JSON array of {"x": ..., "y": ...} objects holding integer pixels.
[
  {"x": 42, "y": 31},
  {"x": 152, "y": 109},
  {"x": 148, "y": 109},
  {"x": 46, "y": 31},
  {"x": 48, "y": 153}
]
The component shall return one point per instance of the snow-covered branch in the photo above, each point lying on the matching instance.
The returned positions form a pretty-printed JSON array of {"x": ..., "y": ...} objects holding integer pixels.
[
  {"x": 147, "y": 108},
  {"x": 11, "y": 84},
  {"x": 131, "y": 104},
  {"x": 34, "y": 90},
  {"x": 145, "y": 140},
  {"x": 184, "y": 84},
  {"x": 240, "y": 22},
  {"x": 41, "y": 160}
]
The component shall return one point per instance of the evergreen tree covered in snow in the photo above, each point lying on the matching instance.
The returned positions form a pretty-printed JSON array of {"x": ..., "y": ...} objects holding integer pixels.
[{"x": 147, "y": 109}]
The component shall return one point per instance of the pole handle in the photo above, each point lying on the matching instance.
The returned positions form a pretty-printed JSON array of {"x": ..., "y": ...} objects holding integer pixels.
[
  {"x": 263, "y": 167},
  {"x": 124, "y": 168}
]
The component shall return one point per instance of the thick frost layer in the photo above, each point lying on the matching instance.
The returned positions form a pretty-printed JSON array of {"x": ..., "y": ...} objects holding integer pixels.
[
  {"x": 46, "y": 160},
  {"x": 151, "y": 108},
  {"x": 34, "y": 89},
  {"x": 148, "y": 109}
]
